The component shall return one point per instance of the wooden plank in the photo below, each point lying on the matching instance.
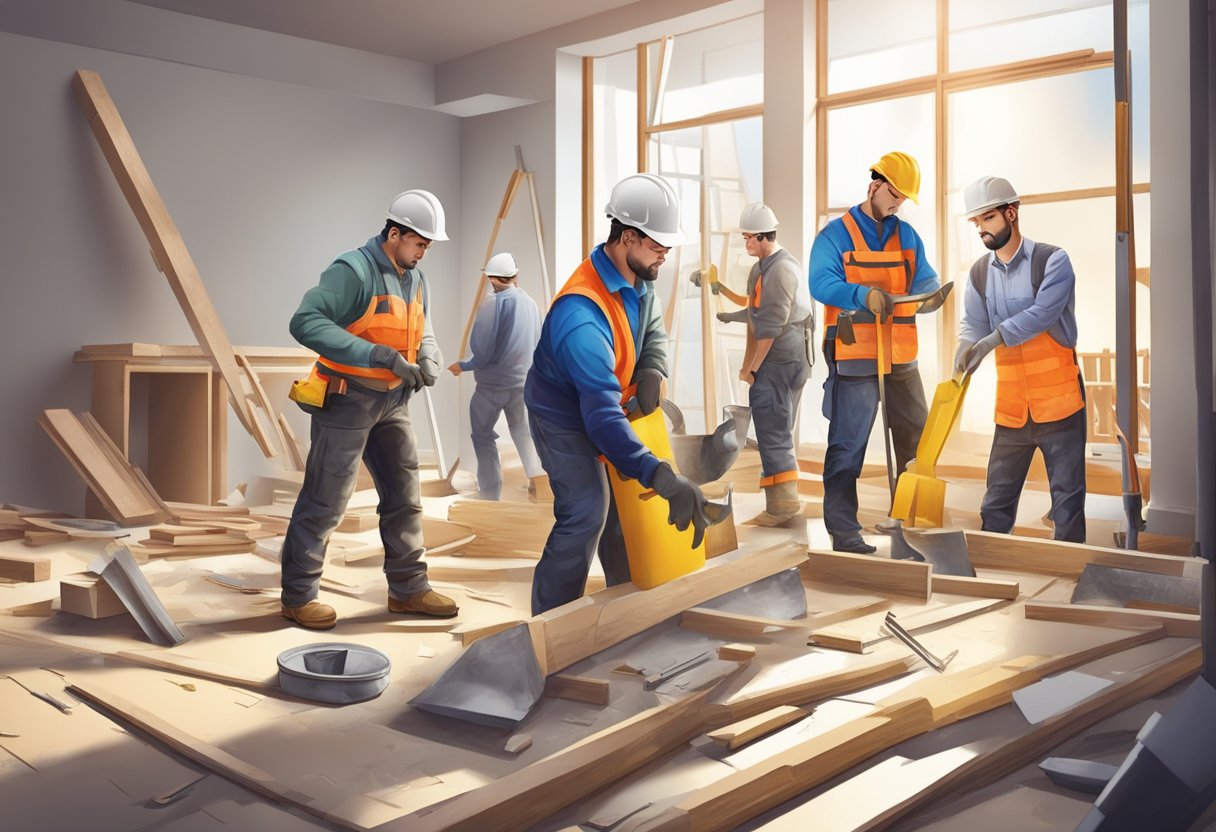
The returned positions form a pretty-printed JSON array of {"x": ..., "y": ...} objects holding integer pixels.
[
  {"x": 577, "y": 688},
  {"x": 226, "y": 546},
  {"x": 1177, "y": 624},
  {"x": 503, "y": 529},
  {"x": 470, "y": 633},
  {"x": 121, "y": 488},
  {"x": 736, "y": 652},
  {"x": 359, "y": 520},
  {"x": 25, "y": 569},
  {"x": 855, "y": 641},
  {"x": 588, "y": 152},
  {"x": 721, "y": 538},
  {"x": 740, "y": 733},
  {"x": 871, "y": 574},
  {"x": 734, "y": 625},
  {"x": 168, "y": 248},
  {"x": 1056, "y": 557},
  {"x": 975, "y": 587}
]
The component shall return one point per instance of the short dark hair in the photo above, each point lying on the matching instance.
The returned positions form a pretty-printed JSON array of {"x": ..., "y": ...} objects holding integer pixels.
[
  {"x": 389, "y": 225},
  {"x": 618, "y": 228},
  {"x": 876, "y": 175}
]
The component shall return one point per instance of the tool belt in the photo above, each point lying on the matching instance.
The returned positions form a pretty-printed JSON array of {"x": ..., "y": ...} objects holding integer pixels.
[{"x": 315, "y": 390}]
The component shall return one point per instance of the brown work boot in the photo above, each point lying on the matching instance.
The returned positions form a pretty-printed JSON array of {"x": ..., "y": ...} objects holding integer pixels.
[
  {"x": 781, "y": 504},
  {"x": 314, "y": 615},
  {"x": 428, "y": 602}
]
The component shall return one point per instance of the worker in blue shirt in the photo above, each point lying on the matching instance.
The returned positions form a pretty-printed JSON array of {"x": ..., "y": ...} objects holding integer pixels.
[
  {"x": 602, "y": 347},
  {"x": 1020, "y": 302},
  {"x": 504, "y": 335},
  {"x": 859, "y": 263}
]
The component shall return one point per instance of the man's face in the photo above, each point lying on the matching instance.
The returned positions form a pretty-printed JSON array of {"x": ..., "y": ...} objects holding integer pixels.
[
  {"x": 885, "y": 201},
  {"x": 752, "y": 243},
  {"x": 407, "y": 248},
  {"x": 995, "y": 226},
  {"x": 644, "y": 256}
]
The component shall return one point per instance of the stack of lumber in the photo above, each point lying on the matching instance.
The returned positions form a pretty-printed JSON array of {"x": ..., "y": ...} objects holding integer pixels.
[{"x": 197, "y": 539}]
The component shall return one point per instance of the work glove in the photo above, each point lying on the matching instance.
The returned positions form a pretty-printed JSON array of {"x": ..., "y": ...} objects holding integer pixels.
[
  {"x": 685, "y": 500},
  {"x": 387, "y": 358},
  {"x": 980, "y": 349},
  {"x": 430, "y": 372},
  {"x": 649, "y": 380},
  {"x": 880, "y": 303},
  {"x": 737, "y": 317},
  {"x": 960, "y": 357},
  {"x": 695, "y": 278}
]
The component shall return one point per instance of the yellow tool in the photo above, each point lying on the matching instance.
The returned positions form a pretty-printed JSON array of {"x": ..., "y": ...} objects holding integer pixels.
[
  {"x": 657, "y": 551},
  {"x": 310, "y": 391},
  {"x": 920, "y": 497}
]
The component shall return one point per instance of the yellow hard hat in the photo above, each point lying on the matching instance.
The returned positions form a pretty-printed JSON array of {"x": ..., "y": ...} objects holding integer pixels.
[{"x": 902, "y": 172}]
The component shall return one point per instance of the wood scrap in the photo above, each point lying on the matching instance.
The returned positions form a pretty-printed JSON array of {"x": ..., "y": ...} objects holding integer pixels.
[
  {"x": 470, "y": 633},
  {"x": 25, "y": 568},
  {"x": 359, "y": 520},
  {"x": 577, "y": 688},
  {"x": 734, "y": 625},
  {"x": 975, "y": 587},
  {"x": 123, "y": 490},
  {"x": 168, "y": 249},
  {"x": 42, "y": 537},
  {"x": 87, "y": 595},
  {"x": 740, "y": 733},
  {"x": 870, "y": 573},
  {"x": 737, "y": 652},
  {"x": 223, "y": 545},
  {"x": 503, "y": 530},
  {"x": 181, "y": 512},
  {"x": 1177, "y": 624},
  {"x": 721, "y": 538},
  {"x": 518, "y": 743}
]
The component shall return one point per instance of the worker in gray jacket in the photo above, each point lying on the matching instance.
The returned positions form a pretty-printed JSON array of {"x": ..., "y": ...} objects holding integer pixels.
[
  {"x": 777, "y": 359},
  {"x": 504, "y": 336}
]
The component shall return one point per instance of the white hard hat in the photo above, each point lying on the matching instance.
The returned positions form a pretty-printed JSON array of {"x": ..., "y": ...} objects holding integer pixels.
[
  {"x": 501, "y": 265},
  {"x": 757, "y": 218},
  {"x": 648, "y": 203},
  {"x": 986, "y": 193},
  {"x": 421, "y": 212}
]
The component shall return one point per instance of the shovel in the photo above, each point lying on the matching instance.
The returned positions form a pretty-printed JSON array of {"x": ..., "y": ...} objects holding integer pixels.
[{"x": 920, "y": 497}]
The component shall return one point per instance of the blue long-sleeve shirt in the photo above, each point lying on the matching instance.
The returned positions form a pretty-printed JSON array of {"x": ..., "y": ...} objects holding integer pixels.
[
  {"x": 504, "y": 336},
  {"x": 826, "y": 274},
  {"x": 571, "y": 382},
  {"x": 1011, "y": 304}
]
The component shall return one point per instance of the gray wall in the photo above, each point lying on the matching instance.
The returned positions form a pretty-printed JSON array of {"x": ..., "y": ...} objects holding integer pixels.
[{"x": 266, "y": 180}]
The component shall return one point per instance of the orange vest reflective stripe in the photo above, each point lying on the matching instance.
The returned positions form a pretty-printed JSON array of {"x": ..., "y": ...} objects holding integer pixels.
[
  {"x": 1039, "y": 378},
  {"x": 586, "y": 281},
  {"x": 890, "y": 270},
  {"x": 390, "y": 321}
]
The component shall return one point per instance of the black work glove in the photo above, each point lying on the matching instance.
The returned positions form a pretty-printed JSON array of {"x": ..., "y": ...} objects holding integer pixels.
[
  {"x": 960, "y": 356},
  {"x": 880, "y": 303},
  {"x": 980, "y": 349},
  {"x": 649, "y": 380},
  {"x": 388, "y": 358},
  {"x": 685, "y": 500}
]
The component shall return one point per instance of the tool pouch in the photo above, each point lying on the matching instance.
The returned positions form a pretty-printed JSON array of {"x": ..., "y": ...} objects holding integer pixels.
[{"x": 311, "y": 392}]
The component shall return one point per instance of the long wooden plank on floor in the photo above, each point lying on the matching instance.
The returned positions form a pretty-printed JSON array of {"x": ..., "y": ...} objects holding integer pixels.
[
  {"x": 120, "y": 487},
  {"x": 1056, "y": 557},
  {"x": 168, "y": 247},
  {"x": 975, "y": 587},
  {"x": 923, "y": 706},
  {"x": 870, "y": 573},
  {"x": 1177, "y": 624}
]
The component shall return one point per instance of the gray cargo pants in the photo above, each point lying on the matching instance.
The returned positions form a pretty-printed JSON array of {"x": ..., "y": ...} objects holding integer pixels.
[
  {"x": 487, "y": 404},
  {"x": 774, "y": 401},
  {"x": 374, "y": 426}
]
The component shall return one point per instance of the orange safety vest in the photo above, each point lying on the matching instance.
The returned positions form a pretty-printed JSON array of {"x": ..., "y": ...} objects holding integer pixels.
[
  {"x": 1039, "y": 378},
  {"x": 891, "y": 270},
  {"x": 388, "y": 320},
  {"x": 586, "y": 281}
]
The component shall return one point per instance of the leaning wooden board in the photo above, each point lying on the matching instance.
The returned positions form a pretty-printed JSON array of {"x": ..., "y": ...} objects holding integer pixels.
[{"x": 168, "y": 247}]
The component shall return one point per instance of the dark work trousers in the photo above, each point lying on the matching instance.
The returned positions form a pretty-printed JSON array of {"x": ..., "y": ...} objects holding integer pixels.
[
  {"x": 851, "y": 405},
  {"x": 1063, "y": 446},
  {"x": 487, "y": 404},
  {"x": 774, "y": 399},
  {"x": 585, "y": 518},
  {"x": 373, "y": 426}
]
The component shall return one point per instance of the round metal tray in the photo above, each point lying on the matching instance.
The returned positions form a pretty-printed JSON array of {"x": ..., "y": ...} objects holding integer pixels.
[{"x": 333, "y": 672}]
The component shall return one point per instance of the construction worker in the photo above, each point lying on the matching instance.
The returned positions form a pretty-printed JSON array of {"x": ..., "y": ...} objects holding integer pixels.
[
  {"x": 602, "y": 347},
  {"x": 777, "y": 358},
  {"x": 859, "y": 263},
  {"x": 503, "y": 338},
  {"x": 1020, "y": 302},
  {"x": 368, "y": 321}
]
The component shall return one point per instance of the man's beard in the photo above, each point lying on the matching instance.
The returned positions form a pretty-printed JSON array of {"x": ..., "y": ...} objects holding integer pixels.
[
  {"x": 996, "y": 242},
  {"x": 649, "y": 275}
]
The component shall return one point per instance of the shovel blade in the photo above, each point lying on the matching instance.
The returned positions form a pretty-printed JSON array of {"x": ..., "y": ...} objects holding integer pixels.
[{"x": 919, "y": 500}]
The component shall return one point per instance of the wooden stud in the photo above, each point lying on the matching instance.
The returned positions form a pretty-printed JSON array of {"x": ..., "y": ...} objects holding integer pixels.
[
  {"x": 741, "y": 733},
  {"x": 25, "y": 569},
  {"x": 577, "y": 688},
  {"x": 989, "y": 550},
  {"x": 870, "y": 574},
  {"x": 643, "y": 106},
  {"x": 508, "y": 197},
  {"x": 1176, "y": 624},
  {"x": 588, "y": 152},
  {"x": 736, "y": 653},
  {"x": 975, "y": 587}
]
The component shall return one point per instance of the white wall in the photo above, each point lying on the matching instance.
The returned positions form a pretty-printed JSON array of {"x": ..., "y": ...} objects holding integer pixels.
[{"x": 266, "y": 180}]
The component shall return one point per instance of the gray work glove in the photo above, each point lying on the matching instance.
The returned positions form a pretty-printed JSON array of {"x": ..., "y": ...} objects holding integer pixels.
[
  {"x": 430, "y": 372},
  {"x": 388, "y": 358},
  {"x": 880, "y": 303},
  {"x": 960, "y": 357},
  {"x": 686, "y": 502},
  {"x": 980, "y": 349},
  {"x": 737, "y": 317},
  {"x": 695, "y": 278},
  {"x": 649, "y": 380}
]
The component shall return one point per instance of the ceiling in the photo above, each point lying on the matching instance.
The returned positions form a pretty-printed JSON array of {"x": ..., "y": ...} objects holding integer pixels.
[{"x": 431, "y": 32}]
